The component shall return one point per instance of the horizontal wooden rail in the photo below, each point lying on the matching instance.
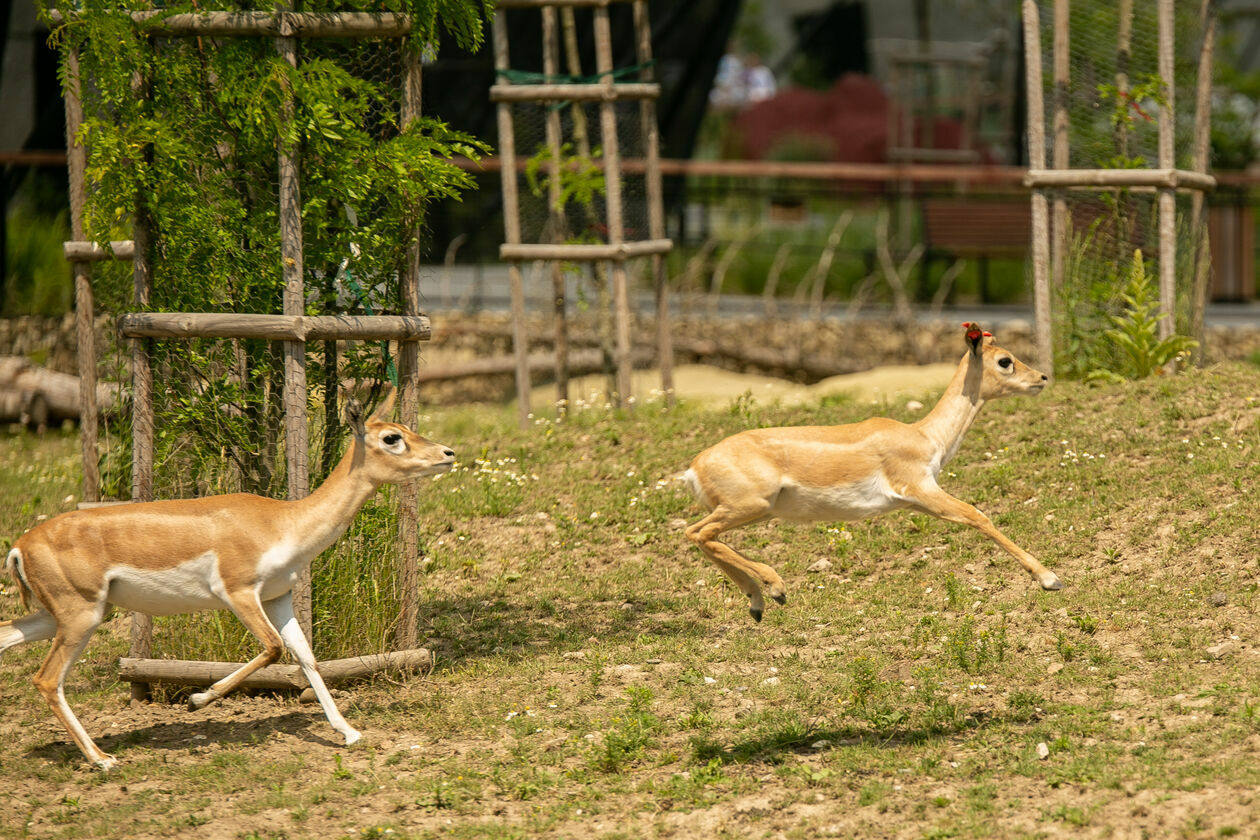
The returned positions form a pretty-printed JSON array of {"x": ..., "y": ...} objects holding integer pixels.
[
  {"x": 93, "y": 251},
  {"x": 582, "y": 253},
  {"x": 33, "y": 157},
  {"x": 594, "y": 92},
  {"x": 1007, "y": 176},
  {"x": 539, "y": 4},
  {"x": 185, "y": 672},
  {"x": 275, "y": 327},
  {"x": 1108, "y": 178},
  {"x": 275, "y": 24}
]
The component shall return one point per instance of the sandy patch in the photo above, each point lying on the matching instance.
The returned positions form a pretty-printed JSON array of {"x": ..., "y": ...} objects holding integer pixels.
[{"x": 711, "y": 385}]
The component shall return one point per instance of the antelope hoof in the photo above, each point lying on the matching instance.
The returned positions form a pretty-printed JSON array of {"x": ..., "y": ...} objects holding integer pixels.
[
  {"x": 755, "y": 613},
  {"x": 779, "y": 599},
  {"x": 201, "y": 699},
  {"x": 353, "y": 737},
  {"x": 1050, "y": 581},
  {"x": 106, "y": 763}
]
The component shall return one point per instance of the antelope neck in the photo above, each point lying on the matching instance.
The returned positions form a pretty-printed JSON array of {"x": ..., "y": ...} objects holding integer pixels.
[
  {"x": 951, "y": 417},
  {"x": 323, "y": 516}
]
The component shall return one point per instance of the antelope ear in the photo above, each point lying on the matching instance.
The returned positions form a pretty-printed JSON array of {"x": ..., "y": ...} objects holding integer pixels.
[
  {"x": 352, "y": 413},
  {"x": 387, "y": 405},
  {"x": 975, "y": 336}
]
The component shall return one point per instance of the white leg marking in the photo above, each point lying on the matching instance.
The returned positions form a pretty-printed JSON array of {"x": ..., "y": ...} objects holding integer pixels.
[
  {"x": 280, "y": 611},
  {"x": 29, "y": 628}
]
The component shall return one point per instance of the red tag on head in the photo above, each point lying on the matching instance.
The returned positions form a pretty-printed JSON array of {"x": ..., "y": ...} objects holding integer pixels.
[
  {"x": 988, "y": 334},
  {"x": 974, "y": 334}
]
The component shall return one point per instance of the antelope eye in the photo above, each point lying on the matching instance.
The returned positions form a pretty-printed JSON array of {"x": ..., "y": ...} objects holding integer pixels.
[
  {"x": 391, "y": 438},
  {"x": 1004, "y": 362}
]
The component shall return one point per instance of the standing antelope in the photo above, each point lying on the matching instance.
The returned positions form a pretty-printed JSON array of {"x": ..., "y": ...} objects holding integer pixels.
[
  {"x": 852, "y": 472},
  {"x": 238, "y": 552}
]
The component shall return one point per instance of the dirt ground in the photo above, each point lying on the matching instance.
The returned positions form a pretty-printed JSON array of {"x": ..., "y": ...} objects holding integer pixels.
[{"x": 294, "y": 738}]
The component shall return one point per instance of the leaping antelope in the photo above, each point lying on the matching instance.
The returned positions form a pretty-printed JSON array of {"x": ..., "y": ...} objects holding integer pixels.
[
  {"x": 239, "y": 552},
  {"x": 854, "y": 471}
]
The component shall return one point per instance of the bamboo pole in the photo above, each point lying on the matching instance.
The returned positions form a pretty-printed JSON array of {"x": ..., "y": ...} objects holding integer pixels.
[
  {"x": 656, "y": 201},
  {"x": 1124, "y": 205},
  {"x": 616, "y": 230},
  {"x": 512, "y": 228},
  {"x": 1167, "y": 197},
  {"x": 582, "y": 142},
  {"x": 1040, "y": 210},
  {"x": 573, "y": 92},
  {"x": 1062, "y": 158},
  {"x": 565, "y": 4},
  {"x": 1202, "y": 138},
  {"x": 409, "y": 388},
  {"x": 295, "y": 432},
  {"x": 529, "y": 251},
  {"x": 84, "y": 308},
  {"x": 556, "y": 220},
  {"x": 573, "y": 60},
  {"x": 1170, "y": 179},
  {"x": 80, "y": 251}
]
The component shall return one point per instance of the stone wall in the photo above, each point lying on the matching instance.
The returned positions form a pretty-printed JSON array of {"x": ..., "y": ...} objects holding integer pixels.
[
  {"x": 802, "y": 350},
  {"x": 49, "y": 342}
]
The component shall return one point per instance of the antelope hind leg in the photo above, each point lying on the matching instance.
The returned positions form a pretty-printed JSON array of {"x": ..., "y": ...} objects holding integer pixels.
[{"x": 747, "y": 574}]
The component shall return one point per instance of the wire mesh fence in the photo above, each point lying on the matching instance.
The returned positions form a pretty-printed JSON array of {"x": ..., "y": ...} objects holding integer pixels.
[{"x": 1105, "y": 94}]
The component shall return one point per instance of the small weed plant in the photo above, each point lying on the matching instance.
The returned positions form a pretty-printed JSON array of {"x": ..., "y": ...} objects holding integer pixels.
[{"x": 1135, "y": 332}]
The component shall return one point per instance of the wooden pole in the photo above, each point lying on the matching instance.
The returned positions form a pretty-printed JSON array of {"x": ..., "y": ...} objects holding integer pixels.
[
  {"x": 1202, "y": 138},
  {"x": 409, "y": 389},
  {"x": 142, "y": 421},
  {"x": 1124, "y": 205},
  {"x": 1040, "y": 210},
  {"x": 84, "y": 308},
  {"x": 512, "y": 227},
  {"x": 556, "y": 220},
  {"x": 616, "y": 229},
  {"x": 655, "y": 200},
  {"x": 295, "y": 432},
  {"x": 1062, "y": 75},
  {"x": 1167, "y": 197}
]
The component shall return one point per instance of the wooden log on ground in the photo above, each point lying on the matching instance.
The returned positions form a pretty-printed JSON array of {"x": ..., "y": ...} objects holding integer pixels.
[
  {"x": 38, "y": 397},
  {"x": 290, "y": 677}
]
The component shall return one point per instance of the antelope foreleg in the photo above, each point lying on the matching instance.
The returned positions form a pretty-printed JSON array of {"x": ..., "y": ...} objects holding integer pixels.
[
  {"x": 944, "y": 506},
  {"x": 280, "y": 611}
]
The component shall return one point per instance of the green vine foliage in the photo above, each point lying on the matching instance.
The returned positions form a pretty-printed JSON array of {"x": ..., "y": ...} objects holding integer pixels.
[
  {"x": 580, "y": 178},
  {"x": 186, "y": 133}
]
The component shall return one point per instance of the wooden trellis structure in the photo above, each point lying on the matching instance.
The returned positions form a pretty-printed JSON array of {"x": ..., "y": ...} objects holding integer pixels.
[
  {"x": 1050, "y": 216},
  {"x": 607, "y": 92},
  {"x": 292, "y": 327}
]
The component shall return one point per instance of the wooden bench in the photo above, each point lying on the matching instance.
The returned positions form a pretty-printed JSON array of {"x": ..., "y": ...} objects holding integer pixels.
[{"x": 980, "y": 228}]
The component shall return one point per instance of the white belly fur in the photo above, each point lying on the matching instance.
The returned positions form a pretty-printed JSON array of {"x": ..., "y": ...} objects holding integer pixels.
[
  {"x": 188, "y": 587},
  {"x": 836, "y": 503}
]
